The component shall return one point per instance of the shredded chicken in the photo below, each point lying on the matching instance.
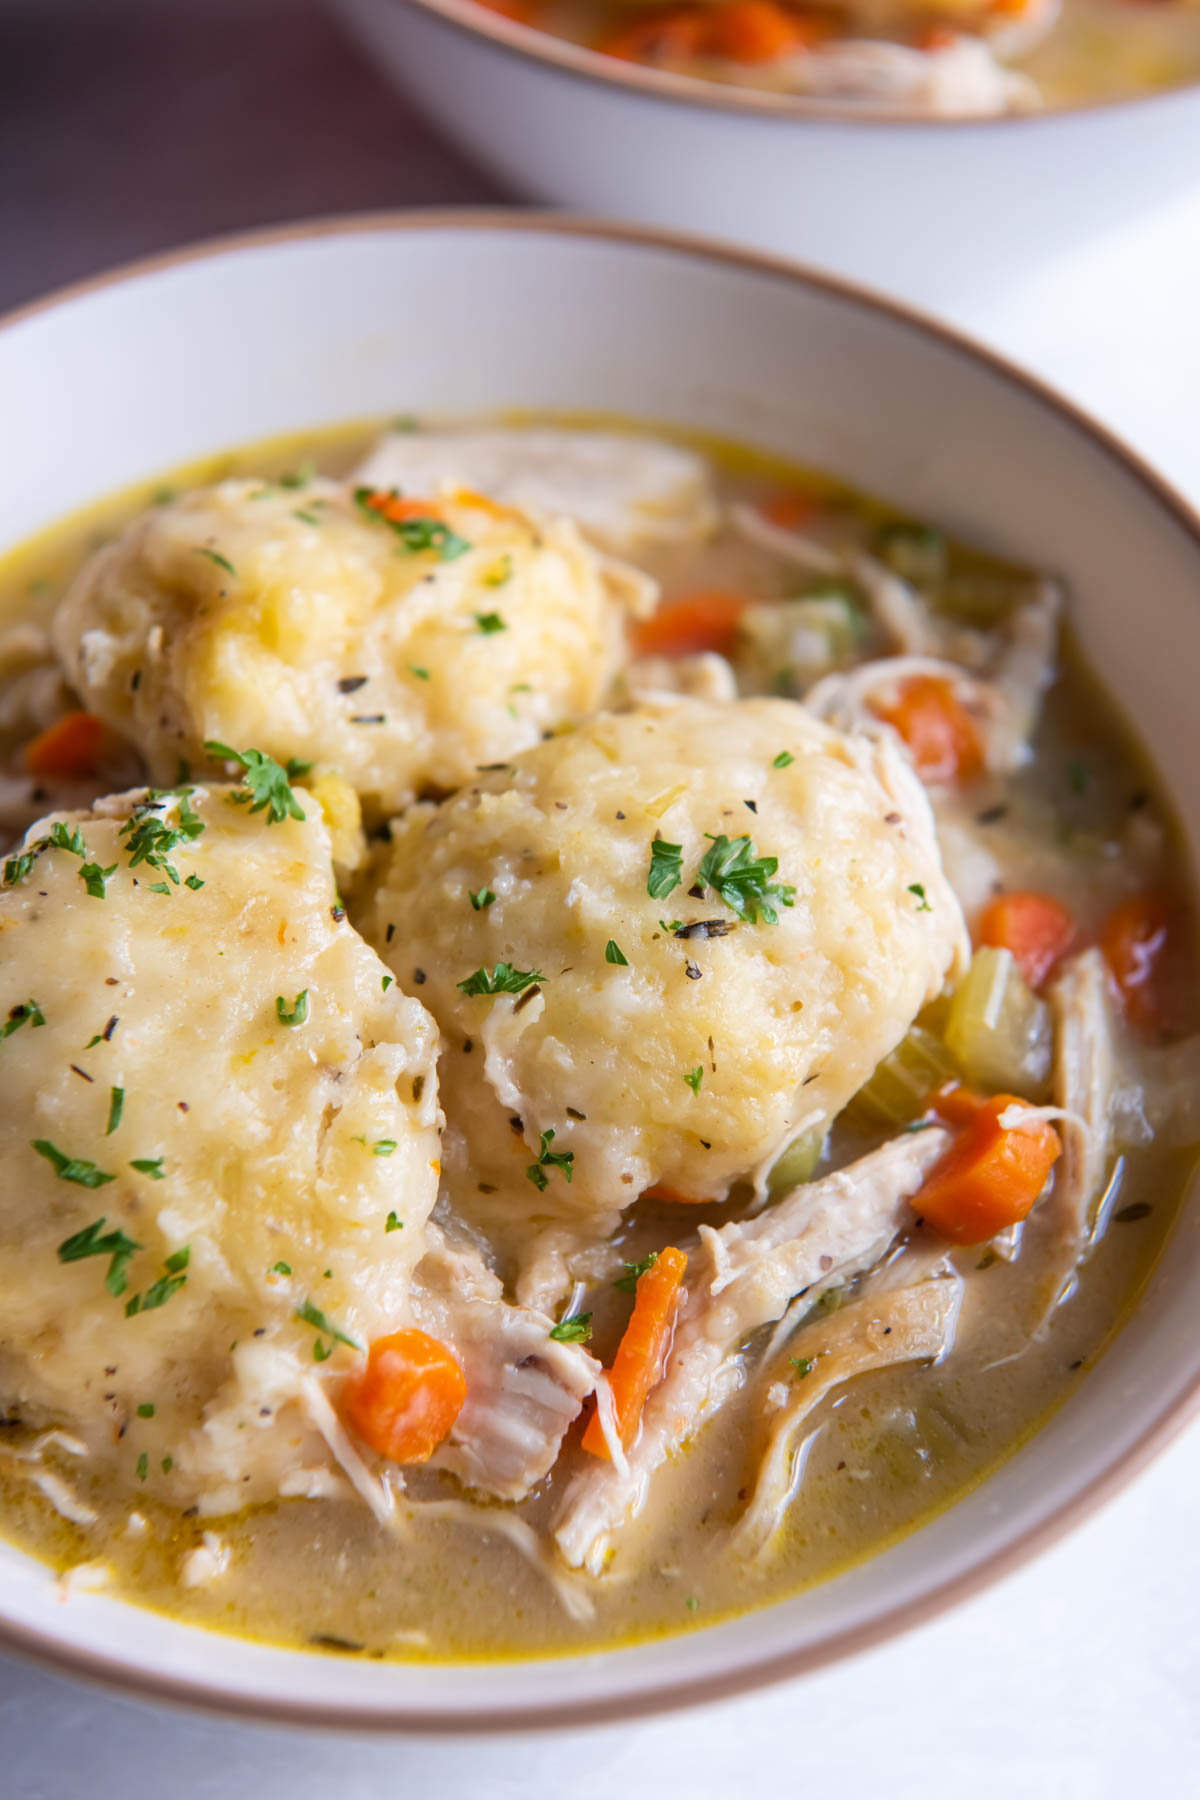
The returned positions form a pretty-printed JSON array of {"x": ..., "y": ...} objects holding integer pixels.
[
  {"x": 835, "y": 1227},
  {"x": 571, "y": 1592},
  {"x": 524, "y": 1389},
  {"x": 959, "y": 79},
  {"x": 1084, "y": 1081},
  {"x": 705, "y": 676},
  {"x": 901, "y": 1325}
]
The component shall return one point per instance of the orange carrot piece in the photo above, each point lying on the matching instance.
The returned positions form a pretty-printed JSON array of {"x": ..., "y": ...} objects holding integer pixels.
[
  {"x": 395, "y": 508},
  {"x": 406, "y": 1397},
  {"x": 691, "y": 623},
  {"x": 754, "y": 31},
  {"x": 642, "y": 1352},
  {"x": 1037, "y": 929},
  {"x": 675, "y": 1197},
  {"x": 938, "y": 729},
  {"x": 665, "y": 37},
  {"x": 956, "y": 1104},
  {"x": 1133, "y": 941},
  {"x": 990, "y": 1176},
  {"x": 71, "y": 748},
  {"x": 789, "y": 509}
]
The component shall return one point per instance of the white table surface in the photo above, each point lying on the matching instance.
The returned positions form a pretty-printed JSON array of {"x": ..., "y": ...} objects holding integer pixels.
[{"x": 129, "y": 125}]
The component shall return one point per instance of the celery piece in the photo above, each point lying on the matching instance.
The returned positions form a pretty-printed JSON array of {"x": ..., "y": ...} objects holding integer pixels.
[
  {"x": 999, "y": 1031},
  {"x": 796, "y": 1164},
  {"x": 901, "y": 1085}
]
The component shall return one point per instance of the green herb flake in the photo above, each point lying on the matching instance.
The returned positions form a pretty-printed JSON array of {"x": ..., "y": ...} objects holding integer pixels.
[
  {"x": 694, "y": 1077},
  {"x": 803, "y": 1365},
  {"x": 784, "y": 760},
  {"x": 72, "y": 841},
  {"x": 627, "y": 1283},
  {"x": 167, "y": 1464},
  {"x": 692, "y": 1603},
  {"x": 298, "y": 1011},
  {"x": 504, "y": 979},
  {"x": 116, "y": 1106},
  {"x": 268, "y": 785},
  {"x": 482, "y": 900},
  {"x": 743, "y": 880},
  {"x": 72, "y": 1168},
  {"x": 299, "y": 478},
  {"x": 613, "y": 953},
  {"x": 194, "y": 882},
  {"x": 575, "y": 1330},
  {"x": 18, "y": 867},
  {"x": 94, "y": 878},
  {"x": 281, "y": 1268},
  {"x": 490, "y": 622},
  {"x": 149, "y": 838},
  {"x": 917, "y": 888},
  {"x": 312, "y": 1315},
  {"x": 159, "y": 887},
  {"x": 385, "y": 1147},
  {"x": 550, "y": 1159},
  {"x": 385, "y": 982},
  {"x": 27, "y": 1013},
  {"x": 149, "y": 1165},
  {"x": 214, "y": 556},
  {"x": 393, "y": 1223},
  {"x": 666, "y": 869},
  {"x": 143, "y": 1466},
  {"x": 93, "y": 1240},
  {"x": 146, "y": 1410},
  {"x": 421, "y": 674},
  {"x": 416, "y": 534}
]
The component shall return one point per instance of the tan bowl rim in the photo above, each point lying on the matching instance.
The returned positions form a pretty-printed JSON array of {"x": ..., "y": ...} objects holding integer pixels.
[
  {"x": 529, "y": 43},
  {"x": 1157, "y": 1432}
]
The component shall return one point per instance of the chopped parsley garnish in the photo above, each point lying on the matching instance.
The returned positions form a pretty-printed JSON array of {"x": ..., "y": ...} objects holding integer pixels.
[
  {"x": 783, "y": 760},
  {"x": 93, "y": 1240},
  {"x": 916, "y": 888},
  {"x": 62, "y": 839},
  {"x": 214, "y": 556},
  {"x": 633, "y": 1272},
  {"x": 384, "y": 1147},
  {"x": 72, "y": 1168},
  {"x": 17, "y": 867},
  {"x": 267, "y": 786},
  {"x": 143, "y": 1466},
  {"x": 298, "y": 478},
  {"x": 159, "y": 887},
  {"x": 421, "y": 674},
  {"x": 743, "y": 880},
  {"x": 482, "y": 900},
  {"x": 149, "y": 838},
  {"x": 803, "y": 1365},
  {"x": 694, "y": 1077},
  {"x": 298, "y": 1012},
  {"x": 151, "y": 1166},
  {"x": 504, "y": 979},
  {"x": 575, "y": 1330},
  {"x": 94, "y": 877},
  {"x": 490, "y": 622},
  {"x": 194, "y": 882},
  {"x": 666, "y": 869},
  {"x": 613, "y": 953},
  {"x": 116, "y": 1106},
  {"x": 312, "y": 1315},
  {"x": 168, "y": 1463},
  {"x": 393, "y": 1223},
  {"x": 417, "y": 532},
  {"x": 550, "y": 1159},
  {"x": 671, "y": 925},
  {"x": 385, "y": 982},
  {"x": 281, "y": 1268},
  {"x": 29, "y": 1013},
  {"x": 146, "y": 1410},
  {"x": 168, "y": 1283}
]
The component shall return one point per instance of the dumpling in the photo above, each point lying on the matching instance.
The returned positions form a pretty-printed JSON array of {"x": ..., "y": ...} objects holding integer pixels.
[
  {"x": 668, "y": 1003},
  {"x": 623, "y": 490},
  {"x": 219, "y": 1141},
  {"x": 400, "y": 643}
]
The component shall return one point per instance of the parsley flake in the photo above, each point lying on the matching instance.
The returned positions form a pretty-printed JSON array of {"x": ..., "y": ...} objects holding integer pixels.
[
  {"x": 94, "y": 877},
  {"x": 784, "y": 760},
  {"x": 504, "y": 979},
  {"x": 298, "y": 1012},
  {"x": 384, "y": 1147},
  {"x": 666, "y": 869},
  {"x": 550, "y": 1159},
  {"x": 312, "y": 1315},
  {"x": 916, "y": 888},
  {"x": 146, "y": 1410},
  {"x": 385, "y": 982},
  {"x": 143, "y": 1466},
  {"x": 149, "y": 838},
  {"x": 214, "y": 556},
  {"x": 62, "y": 839},
  {"x": 393, "y": 1223},
  {"x": 421, "y": 674},
  {"x": 267, "y": 786},
  {"x": 418, "y": 532},
  {"x": 613, "y": 953},
  {"x": 482, "y": 900},
  {"x": 694, "y": 1077},
  {"x": 743, "y": 880},
  {"x": 168, "y": 1283},
  {"x": 151, "y": 1166},
  {"x": 281, "y": 1268},
  {"x": 627, "y": 1283},
  {"x": 29, "y": 1013},
  {"x": 93, "y": 1240},
  {"x": 72, "y": 1168},
  {"x": 490, "y": 622},
  {"x": 194, "y": 882},
  {"x": 575, "y": 1330},
  {"x": 500, "y": 571},
  {"x": 803, "y": 1365},
  {"x": 116, "y": 1106}
]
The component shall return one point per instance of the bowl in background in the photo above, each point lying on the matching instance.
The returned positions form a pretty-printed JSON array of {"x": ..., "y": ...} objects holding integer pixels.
[
  {"x": 117, "y": 380},
  {"x": 938, "y": 211}
]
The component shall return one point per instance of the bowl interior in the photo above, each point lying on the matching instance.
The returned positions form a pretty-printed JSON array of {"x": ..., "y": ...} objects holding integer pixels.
[{"x": 283, "y": 332}]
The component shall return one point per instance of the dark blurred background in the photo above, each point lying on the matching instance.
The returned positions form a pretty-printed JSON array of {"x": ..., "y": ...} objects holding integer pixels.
[{"x": 128, "y": 126}]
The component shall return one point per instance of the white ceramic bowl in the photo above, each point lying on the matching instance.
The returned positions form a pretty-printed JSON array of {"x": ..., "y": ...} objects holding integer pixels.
[
  {"x": 940, "y": 212},
  {"x": 114, "y": 381}
]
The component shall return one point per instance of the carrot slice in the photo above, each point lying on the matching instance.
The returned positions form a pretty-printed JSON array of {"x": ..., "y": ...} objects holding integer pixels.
[
  {"x": 936, "y": 726},
  {"x": 956, "y": 1104},
  {"x": 691, "y": 623},
  {"x": 72, "y": 747},
  {"x": 396, "y": 508},
  {"x": 990, "y": 1177},
  {"x": 1037, "y": 929},
  {"x": 675, "y": 1197},
  {"x": 1133, "y": 941},
  {"x": 642, "y": 1352},
  {"x": 406, "y": 1397},
  {"x": 754, "y": 31},
  {"x": 663, "y": 38},
  {"x": 789, "y": 509}
]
